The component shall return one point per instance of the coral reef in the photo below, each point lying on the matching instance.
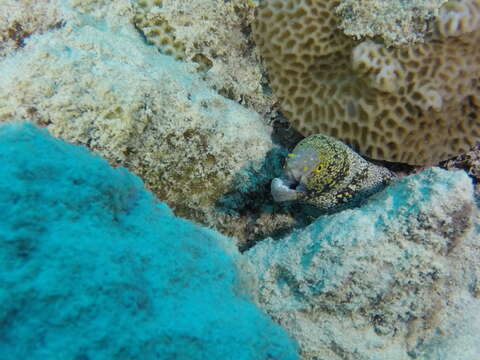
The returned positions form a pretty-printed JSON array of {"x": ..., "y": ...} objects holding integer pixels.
[
  {"x": 396, "y": 22},
  {"x": 397, "y": 278},
  {"x": 19, "y": 19},
  {"x": 93, "y": 267},
  {"x": 215, "y": 36},
  {"x": 416, "y": 104},
  {"x": 326, "y": 173},
  {"x": 95, "y": 82}
]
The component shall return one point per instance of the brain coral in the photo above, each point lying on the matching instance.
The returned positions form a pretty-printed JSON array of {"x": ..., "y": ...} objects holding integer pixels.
[{"x": 416, "y": 104}]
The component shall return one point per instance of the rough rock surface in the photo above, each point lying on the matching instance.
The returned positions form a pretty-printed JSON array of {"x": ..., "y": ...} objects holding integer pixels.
[
  {"x": 92, "y": 266},
  {"x": 95, "y": 82},
  {"x": 397, "y": 279},
  {"x": 20, "y": 19}
]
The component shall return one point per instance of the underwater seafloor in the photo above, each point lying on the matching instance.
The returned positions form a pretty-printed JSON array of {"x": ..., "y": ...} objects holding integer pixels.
[{"x": 138, "y": 143}]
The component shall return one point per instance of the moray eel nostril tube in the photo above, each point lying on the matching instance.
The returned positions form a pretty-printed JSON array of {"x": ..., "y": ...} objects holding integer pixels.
[{"x": 324, "y": 172}]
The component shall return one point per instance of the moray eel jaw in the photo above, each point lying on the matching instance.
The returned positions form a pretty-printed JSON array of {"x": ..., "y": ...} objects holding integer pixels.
[
  {"x": 285, "y": 189},
  {"x": 292, "y": 185}
]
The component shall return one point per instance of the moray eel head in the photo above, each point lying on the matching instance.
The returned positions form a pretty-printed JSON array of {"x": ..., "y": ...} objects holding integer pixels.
[{"x": 315, "y": 165}]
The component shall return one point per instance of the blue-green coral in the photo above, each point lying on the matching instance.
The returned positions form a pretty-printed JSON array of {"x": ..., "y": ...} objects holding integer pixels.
[{"x": 326, "y": 173}]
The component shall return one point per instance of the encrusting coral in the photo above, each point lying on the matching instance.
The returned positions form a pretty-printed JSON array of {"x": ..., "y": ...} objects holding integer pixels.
[
  {"x": 324, "y": 172},
  {"x": 416, "y": 104},
  {"x": 213, "y": 35},
  {"x": 21, "y": 19},
  {"x": 396, "y": 22}
]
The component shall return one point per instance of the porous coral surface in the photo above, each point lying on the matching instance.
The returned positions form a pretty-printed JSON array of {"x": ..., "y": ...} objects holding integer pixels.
[
  {"x": 416, "y": 104},
  {"x": 92, "y": 266},
  {"x": 396, "y": 279}
]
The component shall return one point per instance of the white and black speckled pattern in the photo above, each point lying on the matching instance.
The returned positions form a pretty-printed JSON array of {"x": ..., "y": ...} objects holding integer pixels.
[{"x": 326, "y": 173}]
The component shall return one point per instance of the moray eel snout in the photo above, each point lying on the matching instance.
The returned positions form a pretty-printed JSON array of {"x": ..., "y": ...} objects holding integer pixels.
[{"x": 293, "y": 183}]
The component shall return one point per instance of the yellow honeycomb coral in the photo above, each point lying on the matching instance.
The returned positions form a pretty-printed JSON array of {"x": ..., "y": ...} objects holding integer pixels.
[
  {"x": 416, "y": 104},
  {"x": 323, "y": 172}
]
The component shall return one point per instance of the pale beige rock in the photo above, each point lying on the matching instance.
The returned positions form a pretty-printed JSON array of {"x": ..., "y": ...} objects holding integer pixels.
[
  {"x": 95, "y": 82},
  {"x": 20, "y": 19},
  {"x": 395, "y": 279}
]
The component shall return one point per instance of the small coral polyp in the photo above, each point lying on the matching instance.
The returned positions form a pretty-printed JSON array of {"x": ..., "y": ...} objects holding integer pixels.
[
  {"x": 323, "y": 172},
  {"x": 416, "y": 104}
]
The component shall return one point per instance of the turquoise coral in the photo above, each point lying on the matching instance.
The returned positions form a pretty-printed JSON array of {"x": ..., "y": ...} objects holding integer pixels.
[
  {"x": 326, "y": 173},
  {"x": 92, "y": 266}
]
